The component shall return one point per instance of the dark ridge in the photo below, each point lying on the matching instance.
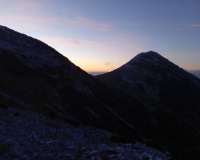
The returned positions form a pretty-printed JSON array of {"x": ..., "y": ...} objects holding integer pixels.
[
  {"x": 171, "y": 96},
  {"x": 35, "y": 77}
]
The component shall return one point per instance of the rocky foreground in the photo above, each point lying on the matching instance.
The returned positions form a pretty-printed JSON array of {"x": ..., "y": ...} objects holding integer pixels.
[{"x": 27, "y": 135}]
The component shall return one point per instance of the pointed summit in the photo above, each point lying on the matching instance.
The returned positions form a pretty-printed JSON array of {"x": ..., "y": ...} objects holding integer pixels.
[
  {"x": 144, "y": 57},
  {"x": 171, "y": 95},
  {"x": 136, "y": 74},
  {"x": 149, "y": 53}
]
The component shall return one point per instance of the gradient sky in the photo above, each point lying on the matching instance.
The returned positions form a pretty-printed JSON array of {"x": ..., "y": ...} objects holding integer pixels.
[{"x": 101, "y": 35}]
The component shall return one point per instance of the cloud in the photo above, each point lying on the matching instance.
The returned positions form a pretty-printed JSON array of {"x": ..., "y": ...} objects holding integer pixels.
[
  {"x": 109, "y": 64},
  {"x": 59, "y": 41},
  {"x": 33, "y": 19},
  {"x": 132, "y": 24},
  {"x": 92, "y": 24},
  {"x": 26, "y": 21},
  {"x": 65, "y": 11},
  {"x": 76, "y": 41},
  {"x": 154, "y": 25},
  {"x": 189, "y": 25},
  {"x": 68, "y": 42},
  {"x": 23, "y": 5}
]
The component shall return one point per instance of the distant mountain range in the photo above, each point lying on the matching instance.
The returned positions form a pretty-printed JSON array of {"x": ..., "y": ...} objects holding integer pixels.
[
  {"x": 95, "y": 73},
  {"x": 195, "y": 72},
  {"x": 171, "y": 95},
  {"x": 149, "y": 99}
]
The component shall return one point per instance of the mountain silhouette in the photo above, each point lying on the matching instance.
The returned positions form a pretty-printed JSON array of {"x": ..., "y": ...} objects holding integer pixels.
[
  {"x": 149, "y": 99},
  {"x": 36, "y": 78},
  {"x": 171, "y": 95}
]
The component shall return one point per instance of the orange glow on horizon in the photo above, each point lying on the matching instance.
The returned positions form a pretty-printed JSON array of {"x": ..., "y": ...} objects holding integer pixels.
[
  {"x": 86, "y": 69},
  {"x": 95, "y": 70}
]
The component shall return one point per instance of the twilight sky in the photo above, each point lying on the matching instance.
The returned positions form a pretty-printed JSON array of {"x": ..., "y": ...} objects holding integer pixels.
[{"x": 101, "y": 35}]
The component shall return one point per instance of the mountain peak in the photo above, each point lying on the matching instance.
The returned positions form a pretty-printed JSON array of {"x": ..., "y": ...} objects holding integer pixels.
[
  {"x": 152, "y": 53},
  {"x": 149, "y": 54},
  {"x": 170, "y": 94},
  {"x": 145, "y": 56}
]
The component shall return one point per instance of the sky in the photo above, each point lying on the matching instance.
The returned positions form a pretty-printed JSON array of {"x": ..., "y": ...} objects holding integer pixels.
[{"x": 102, "y": 35}]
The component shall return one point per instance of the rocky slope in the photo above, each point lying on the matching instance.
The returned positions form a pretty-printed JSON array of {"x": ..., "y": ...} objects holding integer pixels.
[
  {"x": 171, "y": 95},
  {"x": 27, "y": 135},
  {"x": 36, "y": 78}
]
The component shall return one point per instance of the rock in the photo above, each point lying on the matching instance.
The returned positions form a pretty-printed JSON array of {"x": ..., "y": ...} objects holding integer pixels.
[{"x": 99, "y": 158}]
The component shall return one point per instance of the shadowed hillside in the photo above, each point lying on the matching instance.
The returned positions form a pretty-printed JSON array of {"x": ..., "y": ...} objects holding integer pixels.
[
  {"x": 36, "y": 78},
  {"x": 171, "y": 95}
]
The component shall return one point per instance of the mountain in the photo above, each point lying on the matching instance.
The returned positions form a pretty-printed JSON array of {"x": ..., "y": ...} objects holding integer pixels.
[
  {"x": 195, "y": 72},
  {"x": 30, "y": 135},
  {"x": 171, "y": 95},
  {"x": 36, "y": 79}
]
